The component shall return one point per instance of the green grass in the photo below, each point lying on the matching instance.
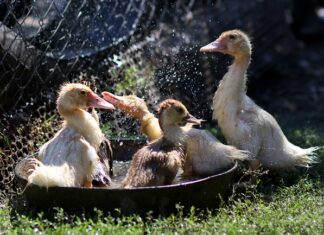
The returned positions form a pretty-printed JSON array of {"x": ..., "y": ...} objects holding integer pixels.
[{"x": 279, "y": 205}]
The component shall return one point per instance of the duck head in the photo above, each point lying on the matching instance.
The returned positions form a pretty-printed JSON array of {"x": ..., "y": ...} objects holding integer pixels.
[
  {"x": 233, "y": 42},
  {"x": 130, "y": 104},
  {"x": 174, "y": 113},
  {"x": 74, "y": 96}
]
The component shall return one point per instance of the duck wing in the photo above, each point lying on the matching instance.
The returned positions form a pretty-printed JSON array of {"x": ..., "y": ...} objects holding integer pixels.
[
  {"x": 153, "y": 165},
  {"x": 105, "y": 168}
]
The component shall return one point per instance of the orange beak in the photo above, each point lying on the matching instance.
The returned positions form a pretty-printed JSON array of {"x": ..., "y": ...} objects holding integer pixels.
[
  {"x": 217, "y": 46},
  {"x": 135, "y": 108},
  {"x": 96, "y": 102},
  {"x": 114, "y": 99}
]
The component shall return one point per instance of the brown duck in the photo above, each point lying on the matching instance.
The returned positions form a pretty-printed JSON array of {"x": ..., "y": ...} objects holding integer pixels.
[{"x": 159, "y": 162}]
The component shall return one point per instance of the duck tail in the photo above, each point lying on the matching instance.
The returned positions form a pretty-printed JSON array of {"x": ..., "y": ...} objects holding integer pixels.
[
  {"x": 51, "y": 176},
  {"x": 306, "y": 157}
]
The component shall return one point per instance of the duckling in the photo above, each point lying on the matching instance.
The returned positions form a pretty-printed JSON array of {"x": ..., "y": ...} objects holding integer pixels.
[
  {"x": 243, "y": 123},
  {"x": 70, "y": 158},
  {"x": 137, "y": 108},
  {"x": 159, "y": 161}
]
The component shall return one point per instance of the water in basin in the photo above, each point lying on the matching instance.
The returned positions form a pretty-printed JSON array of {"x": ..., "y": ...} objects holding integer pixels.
[{"x": 120, "y": 171}]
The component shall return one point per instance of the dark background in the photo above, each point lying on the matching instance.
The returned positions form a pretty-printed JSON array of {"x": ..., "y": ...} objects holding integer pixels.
[{"x": 286, "y": 74}]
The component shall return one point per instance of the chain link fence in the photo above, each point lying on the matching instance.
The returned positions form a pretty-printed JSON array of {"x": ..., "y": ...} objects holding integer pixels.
[{"x": 149, "y": 48}]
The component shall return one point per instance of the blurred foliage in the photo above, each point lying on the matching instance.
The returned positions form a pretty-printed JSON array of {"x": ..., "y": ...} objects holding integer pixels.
[{"x": 134, "y": 79}]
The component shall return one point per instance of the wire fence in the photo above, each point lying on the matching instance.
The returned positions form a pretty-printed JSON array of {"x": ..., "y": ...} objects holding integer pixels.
[{"x": 149, "y": 48}]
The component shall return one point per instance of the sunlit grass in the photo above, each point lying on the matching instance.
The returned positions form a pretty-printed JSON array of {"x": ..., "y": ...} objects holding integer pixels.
[{"x": 297, "y": 209}]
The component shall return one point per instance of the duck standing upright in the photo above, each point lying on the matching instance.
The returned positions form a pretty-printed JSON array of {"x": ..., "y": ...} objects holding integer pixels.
[
  {"x": 159, "y": 162},
  {"x": 70, "y": 158},
  {"x": 243, "y": 123}
]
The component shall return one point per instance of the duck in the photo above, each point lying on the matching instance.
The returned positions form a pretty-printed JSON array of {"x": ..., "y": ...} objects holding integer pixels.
[
  {"x": 70, "y": 158},
  {"x": 206, "y": 155},
  {"x": 159, "y": 162},
  {"x": 136, "y": 108},
  {"x": 244, "y": 124}
]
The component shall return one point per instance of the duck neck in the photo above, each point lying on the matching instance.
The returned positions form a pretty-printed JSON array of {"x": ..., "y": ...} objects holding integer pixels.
[
  {"x": 150, "y": 126},
  {"x": 174, "y": 134},
  {"x": 235, "y": 81},
  {"x": 84, "y": 123},
  {"x": 146, "y": 117}
]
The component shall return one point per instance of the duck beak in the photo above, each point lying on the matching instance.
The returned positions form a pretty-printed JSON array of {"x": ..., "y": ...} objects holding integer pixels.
[
  {"x": 216, "y": 46},
  {"x": 191, "y": 119},
  {"x": 97, "y": 102},
  {"x": 114, "y": 99}
]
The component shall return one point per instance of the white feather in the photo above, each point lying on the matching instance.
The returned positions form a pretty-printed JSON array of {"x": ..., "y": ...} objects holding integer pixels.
[
  {"x": 67, "y": 156},
  {"x": 209, "y": 156},
  {"x": 50, "y": 176}
]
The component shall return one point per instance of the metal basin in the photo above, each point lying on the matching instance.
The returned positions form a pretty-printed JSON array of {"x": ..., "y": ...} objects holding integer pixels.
[{"x": 205, "y": 192}]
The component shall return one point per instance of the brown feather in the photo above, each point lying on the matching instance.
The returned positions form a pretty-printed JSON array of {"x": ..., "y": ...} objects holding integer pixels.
[
  {"x": 166, "y": 104},
  {"x": 159, "y": 162},
  {"x": 155, "y": 164},
  {"x": 105, "y": 171}
]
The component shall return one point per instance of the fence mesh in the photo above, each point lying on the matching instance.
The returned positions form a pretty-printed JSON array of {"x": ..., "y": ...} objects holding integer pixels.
[{"x": 149, "y": 48}]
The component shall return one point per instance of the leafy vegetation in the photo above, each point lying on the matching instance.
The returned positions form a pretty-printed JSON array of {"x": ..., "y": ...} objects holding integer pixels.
[
  {"x": 4, "y": 139},
  {"x": 133, "y": 78},
  {"x": 279, "y": 205}
]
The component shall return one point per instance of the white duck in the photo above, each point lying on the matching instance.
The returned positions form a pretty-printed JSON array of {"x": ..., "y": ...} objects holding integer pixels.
[
  {"x": 243, "y": 123},
  {"x": 206, "y": 155},
  {"x": 70, "y": 157}
]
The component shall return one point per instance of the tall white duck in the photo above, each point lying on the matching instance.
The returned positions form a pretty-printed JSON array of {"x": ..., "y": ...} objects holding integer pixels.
[
  {"x": 70, "y": 158},
  {"x": 243, "y": 123}
]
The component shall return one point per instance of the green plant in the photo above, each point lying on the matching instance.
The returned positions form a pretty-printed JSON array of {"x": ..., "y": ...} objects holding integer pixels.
[{"x": 133, "y": 79}]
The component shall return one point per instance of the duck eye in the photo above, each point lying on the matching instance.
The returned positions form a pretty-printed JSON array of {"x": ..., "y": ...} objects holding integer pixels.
[
  {"x": 179, "y": 110},
  {"x": 83, "y": 93},
  {"x": 232, "y": 36}
]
